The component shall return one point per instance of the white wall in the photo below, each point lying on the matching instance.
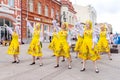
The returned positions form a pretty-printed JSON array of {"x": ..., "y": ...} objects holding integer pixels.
[
  {"x": 68, "y": 14},
  {"x": 85, "y": 13}
]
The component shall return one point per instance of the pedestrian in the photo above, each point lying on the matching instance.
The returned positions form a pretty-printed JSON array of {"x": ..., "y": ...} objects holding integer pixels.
[
  {"x": 87, "y": 47},
  {"x": 104, "y": 41},
  {"x": 14, "y": 45},
  {"x": 63, "y": 48},
  {"x": 35, "y": 46}
]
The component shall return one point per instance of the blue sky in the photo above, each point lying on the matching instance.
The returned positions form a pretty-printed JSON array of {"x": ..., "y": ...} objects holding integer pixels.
[{"x": 107, "y": 11}]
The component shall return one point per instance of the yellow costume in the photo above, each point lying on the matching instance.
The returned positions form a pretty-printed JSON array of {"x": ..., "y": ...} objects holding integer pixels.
[
  {"x": 62, "y": 48},
  {"x": 14, "y": 46},
  {"x": 54, "y": 42},
  {"x": 35, "y": 48},
  {"x": 78, "y": 43},
  {"x": 87, "y": 53},
  {"x": 103, "y": 45}
]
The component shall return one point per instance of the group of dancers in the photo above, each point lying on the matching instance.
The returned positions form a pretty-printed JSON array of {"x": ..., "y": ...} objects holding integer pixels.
[{"x": 91, "y": 42}]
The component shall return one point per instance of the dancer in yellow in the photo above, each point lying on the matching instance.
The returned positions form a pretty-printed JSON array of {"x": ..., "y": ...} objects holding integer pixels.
[
  {"x": 14, "y": 46},
  {"x": 63, "y": 48},
  {"x": 79, "y": 30},
  {"x": 87, "y": 48},
  {"x": 34, "y": 47},
  {"x": 54, "y": 41},
  {"x": 103, "y": 43}
]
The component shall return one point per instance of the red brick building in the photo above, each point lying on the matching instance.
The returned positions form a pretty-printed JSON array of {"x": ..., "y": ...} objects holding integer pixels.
[
  {"x": 68, "y": 13},
  {"x": 10, "y": 12},
  {"x": 39, "y": 11}
]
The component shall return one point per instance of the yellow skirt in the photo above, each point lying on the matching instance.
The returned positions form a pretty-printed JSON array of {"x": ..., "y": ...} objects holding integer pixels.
[
  {"x": 53, "y": 45},
  {"x": 78, "y": 44},
  {"x": 13, "y": 48},
  {"x": 35, "y": 49},
  {"x": 103, "y": 46},
  {"x": 62, "y": 49},
  {"x": 87, "y": 53}
]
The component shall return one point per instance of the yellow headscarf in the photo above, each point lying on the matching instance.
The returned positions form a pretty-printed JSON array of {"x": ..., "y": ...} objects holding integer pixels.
[
  {"x": 104, "y": 27},
  {"x": 66, "y": 25},
  {"x": 37, "y": 25},
  {"x": 89, "y": 22}
]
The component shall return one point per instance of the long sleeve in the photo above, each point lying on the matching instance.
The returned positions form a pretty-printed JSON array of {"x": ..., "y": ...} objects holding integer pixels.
[
  {"x": 30, "y": 27},
  {"x": 41, "y": 34},
  {"x": 10, "y": 30},
  {"x": 69, "y": 38},
  {"x": 79, "y": 28},
  {"x": 94, "y": 38},
  {"x": 41, "y": 37},
  {"x": 17, "y": 30},
  {"x": 108, "y": 37},
  {"x": 81, "y": 31},
  {"x": 55, "y": 25},
  {"x": 96, "y": 32}
]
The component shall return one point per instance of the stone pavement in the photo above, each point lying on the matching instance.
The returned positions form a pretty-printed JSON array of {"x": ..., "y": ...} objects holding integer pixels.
[{"x": 109, "y": 70}]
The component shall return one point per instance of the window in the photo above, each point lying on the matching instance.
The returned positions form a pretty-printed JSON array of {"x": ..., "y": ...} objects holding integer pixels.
[
  {"x": 1, "y": 22},
  {"x": 30, "y": 4},
  {"x": 39, "y": 8},
  {"x": 46, "y": 10},
  {"x": 57, "y": 15},
  {"x": 4, "y": 34},
  {"x": 11, "y": 3},
  {"x": 52, "y": 12}
]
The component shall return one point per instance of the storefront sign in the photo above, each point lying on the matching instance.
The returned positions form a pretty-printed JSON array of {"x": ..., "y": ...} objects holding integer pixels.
[{"x": 38, "y": 19}]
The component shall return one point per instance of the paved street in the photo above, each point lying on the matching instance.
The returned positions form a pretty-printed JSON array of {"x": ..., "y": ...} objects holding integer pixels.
[{"x": 109, "y": 70}]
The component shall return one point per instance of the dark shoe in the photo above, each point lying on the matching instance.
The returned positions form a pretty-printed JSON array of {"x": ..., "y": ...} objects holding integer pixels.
[
  {"x": 110, "y": 58},
  {"x": 14, "y": 62},
  {"x": 41, "y": 64},
  {"x": 97, "y": 71},
  {"x": 37, "y": 58},
  {"x": 63, "y": 60},
  {"x": 83, "y": 69},
  {"x": 82, "y": 62},
  {"x": 56, "y": 66},
  {"x": 18, "y": 61},
  {"x": 32, "y": 63},
  {"x": 69, "y": 67},
  {"x": 76, "y": 57},
  {"x": 53, "y": 55}
]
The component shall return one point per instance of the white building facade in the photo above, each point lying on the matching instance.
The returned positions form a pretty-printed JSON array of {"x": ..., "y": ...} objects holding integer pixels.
[
  {"x": 68, "y": 13},
  {"x": 85, "y": 13},
  {"x": 10, "y": 13}
]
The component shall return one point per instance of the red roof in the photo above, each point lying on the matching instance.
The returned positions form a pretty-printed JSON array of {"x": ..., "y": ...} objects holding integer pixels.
[{"x": 70, "y": 6}]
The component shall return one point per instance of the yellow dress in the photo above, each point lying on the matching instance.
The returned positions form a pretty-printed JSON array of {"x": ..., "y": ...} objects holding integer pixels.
[
  {"x": 35, "y": 48},
  {"x": 103, "y": 45},
  {"x": 14, "y": 46},
  {"x": 53, "y": 43},
  {"x": 78, "y": 44},
  {"x": 87, "y": 53},
  {"x": 62, "y": 48}
]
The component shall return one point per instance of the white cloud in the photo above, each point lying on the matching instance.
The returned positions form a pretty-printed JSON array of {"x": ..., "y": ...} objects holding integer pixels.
[{"x": 107, "y": 11}]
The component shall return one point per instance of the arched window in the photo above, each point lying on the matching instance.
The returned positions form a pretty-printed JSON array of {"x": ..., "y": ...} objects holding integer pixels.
[
  {"x": 11, "y": 3},
  {"x": 4, "y": 34},
  {"x": 39, "y": 8},
  {"x": 52, "y": 12},
  {"x": 46, "y": 10},
  {"x": 30, "y": 5}
]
